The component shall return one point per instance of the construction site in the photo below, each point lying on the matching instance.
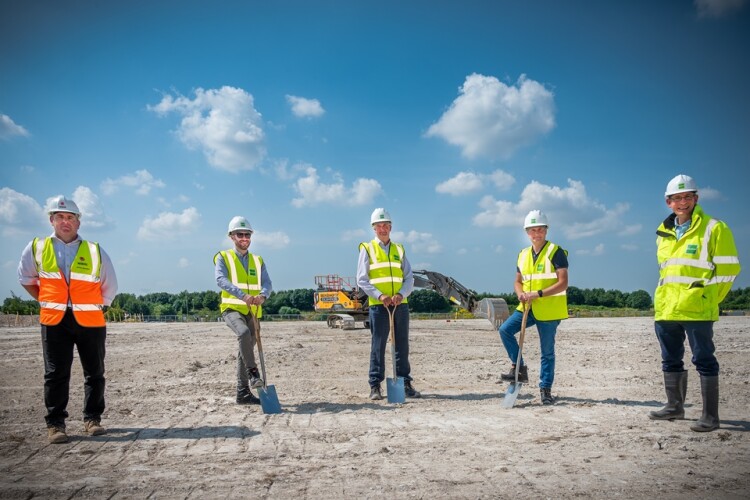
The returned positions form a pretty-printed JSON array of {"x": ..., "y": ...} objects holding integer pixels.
[{"x": 174, "y": 430}]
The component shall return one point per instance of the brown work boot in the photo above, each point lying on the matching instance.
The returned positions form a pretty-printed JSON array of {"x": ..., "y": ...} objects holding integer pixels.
[
  {"x": 93, "y": 428},
  {"x": 523, "y": 374},
  {"x": 56, "y": 434}
]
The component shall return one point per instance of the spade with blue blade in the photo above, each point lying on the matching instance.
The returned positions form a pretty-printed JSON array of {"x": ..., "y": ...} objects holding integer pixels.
[
  {"x": 269, "y": 401},
  {"x": 395, "y": 385},
  {"x": 515, "y": 387}
]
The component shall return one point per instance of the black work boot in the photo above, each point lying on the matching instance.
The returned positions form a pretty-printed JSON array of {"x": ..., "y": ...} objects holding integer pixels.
[
  {"x": 523, "y": 374},
  {"x": 709, "y": 421},
  {"x": 546, "y": 394},
  {"x": 245, "y": 397},
  {"x": 675, "y": 385},
  {"x": 410, "y": 391}
]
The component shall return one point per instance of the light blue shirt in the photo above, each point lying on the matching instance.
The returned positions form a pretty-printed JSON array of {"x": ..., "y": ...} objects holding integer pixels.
[
  {"x": 363, "y": 274},
  {"x": 64, "y": 255},
  {"x": 222, "y": 277},
  {"x": 681, "y": 229}
]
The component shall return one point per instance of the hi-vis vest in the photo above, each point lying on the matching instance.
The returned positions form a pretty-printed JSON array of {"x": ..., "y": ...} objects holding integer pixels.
[
  {"x": 386, "y": 269},
  {"x": 247, "y": 281},
  {"x": 84, "y": 290},
  {"x": 538, "y": 275},
  {"x": 695, "y": 272}
]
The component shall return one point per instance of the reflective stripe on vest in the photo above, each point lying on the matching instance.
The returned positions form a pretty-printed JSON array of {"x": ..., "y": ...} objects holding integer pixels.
[
  {"x": 247, "y": 281},
  {"x": 539, "y": 275},
  {"x": 84, "y": 290},
  {"x": 386, "y": 269}
]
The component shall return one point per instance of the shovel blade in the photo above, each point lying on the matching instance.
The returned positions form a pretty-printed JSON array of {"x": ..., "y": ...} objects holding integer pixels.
[
  {"x": 269, "y": 401},
  {"x": 511, "y": 394},
  {"x": 395, "y": 389}
]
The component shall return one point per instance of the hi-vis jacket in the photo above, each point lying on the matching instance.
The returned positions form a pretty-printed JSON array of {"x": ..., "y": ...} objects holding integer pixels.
[
  {"x": 541, "y": 274},
  {"x": 84, "y": 290},
  {"x": 695, "y": 272},
  {"x": 247, "y": 281},
  {"x": 386, "y": 269}
]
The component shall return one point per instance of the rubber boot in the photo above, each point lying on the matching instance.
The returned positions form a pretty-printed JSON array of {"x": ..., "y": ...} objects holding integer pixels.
[
  {"x": 675, "y": 385},
  {"x": 709, "y": 421}
]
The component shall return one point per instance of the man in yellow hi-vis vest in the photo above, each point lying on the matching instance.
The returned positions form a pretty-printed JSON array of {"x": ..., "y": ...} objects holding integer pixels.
[
  {"x": 73, "y": 280},
  {"x": 384, "y": 274},
  {"x": 541, "y": 283},
  {"x": 245, "y": 285},
  {"x": 697, "y": 265}
]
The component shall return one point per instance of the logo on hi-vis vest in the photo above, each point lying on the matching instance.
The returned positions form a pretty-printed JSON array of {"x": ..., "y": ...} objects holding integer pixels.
[
  {"x": 540, "y": 267},
  {"x": 691, "y": 249},
  {"x": 251, "y": 272},
  {"x": 395, "y": 257},
  {"x": 81, "y": 266}
]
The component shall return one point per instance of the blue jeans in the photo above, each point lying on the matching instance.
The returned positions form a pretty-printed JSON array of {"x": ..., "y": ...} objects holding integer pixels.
[
  {"x": 547, "y": 331},
  {"x": 379, "y": 327},
  {"x": 700, "y": 335}
]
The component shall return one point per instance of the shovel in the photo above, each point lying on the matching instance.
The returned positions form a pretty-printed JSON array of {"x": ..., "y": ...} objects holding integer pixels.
[
  {"x": 269, "y": 401},
  {"x": 395, "y": 385},
  {"x": 515, "y": 387}
]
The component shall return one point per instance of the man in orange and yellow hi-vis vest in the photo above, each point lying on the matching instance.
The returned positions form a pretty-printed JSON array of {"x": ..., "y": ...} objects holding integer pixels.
[{"x": 73, "y": 279}]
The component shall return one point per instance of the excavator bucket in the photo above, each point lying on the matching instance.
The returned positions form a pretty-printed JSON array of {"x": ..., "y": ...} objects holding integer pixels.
[{"x": 493, "y": 309}]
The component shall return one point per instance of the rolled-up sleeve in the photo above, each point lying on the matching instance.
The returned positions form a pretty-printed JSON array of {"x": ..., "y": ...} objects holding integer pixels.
[{"x": 27, "y": 272}]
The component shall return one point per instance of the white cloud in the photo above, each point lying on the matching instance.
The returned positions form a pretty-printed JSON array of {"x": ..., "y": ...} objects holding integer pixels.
[
  {"x": 709, "y": 193},
  {"x": 305, "y": 108},
  {"x": 313, "y": 192},
  {"x": 469, "y": 182},
  {"x": 92, "y": 212},
  {"x": 223, "y": 123},
  {"x": 629, "y": 247},
  {"x": 498, "y": 249},
  {"x": 141, "y": 181},
  {"x": 717, "y": 8},
  {"x": 8, "y": 128},
  {"x": 183, "y": 263},
  {"x": 354, "y": 235},
  {"x": 596, "y": 251},
  {"x": 630, "y": 230},
  {"x": 274, "y": 241},
  {"x": 569, "y": 208},
  {"x": 285, "y": 172},
  {"x": 492, "y": 119},
  {"x": 417, "y": 242},
  {"x": 20, "y": 214},
  {"x": 168, "y": 225}
]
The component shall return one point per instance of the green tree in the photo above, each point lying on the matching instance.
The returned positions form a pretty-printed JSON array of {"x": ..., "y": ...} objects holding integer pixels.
[
  {"x": 16, "y": 305},
  {"x": 428, "y": 301},
  {"x": 640, "y": 299}
]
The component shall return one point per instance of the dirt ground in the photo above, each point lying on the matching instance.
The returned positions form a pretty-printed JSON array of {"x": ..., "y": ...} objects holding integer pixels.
[{"x": 174, "y": 430}]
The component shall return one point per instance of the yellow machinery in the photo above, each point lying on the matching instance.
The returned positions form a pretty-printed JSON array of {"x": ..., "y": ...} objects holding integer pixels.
[{"x": 340, "y": 297}]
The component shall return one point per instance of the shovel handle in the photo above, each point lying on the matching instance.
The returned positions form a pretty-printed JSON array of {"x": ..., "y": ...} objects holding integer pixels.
[
  {"x": 392, "y": 336},
  {"x": 521, "y": 337},
  {"x": 256, "y": 324}
]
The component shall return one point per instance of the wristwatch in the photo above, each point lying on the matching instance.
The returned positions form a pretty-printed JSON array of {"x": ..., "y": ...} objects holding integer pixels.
[{"x": 540, "y": 292}]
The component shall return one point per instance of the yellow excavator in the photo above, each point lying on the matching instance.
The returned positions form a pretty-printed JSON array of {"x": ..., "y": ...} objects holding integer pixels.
[{"x": 346, "y": 304}]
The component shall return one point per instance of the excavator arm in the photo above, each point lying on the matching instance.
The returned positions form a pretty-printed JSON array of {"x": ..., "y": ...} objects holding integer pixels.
[{"x": 494, "y": 309}]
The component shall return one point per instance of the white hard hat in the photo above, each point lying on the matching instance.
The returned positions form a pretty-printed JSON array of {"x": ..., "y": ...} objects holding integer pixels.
[
  {"x": 62, "y": 204},
  {"x": 535, "y": 218},
  {"x": 380, "y": 215},
  {"x": 680, "y": 184},
  {"x": 239, "y": 223}
]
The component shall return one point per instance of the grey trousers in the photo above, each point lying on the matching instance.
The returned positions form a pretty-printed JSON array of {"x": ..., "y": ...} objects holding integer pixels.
[{"x": 244, "y": 330}]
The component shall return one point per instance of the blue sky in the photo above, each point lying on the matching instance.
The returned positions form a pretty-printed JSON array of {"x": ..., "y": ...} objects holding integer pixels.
[{"x": 162, "y": 120}]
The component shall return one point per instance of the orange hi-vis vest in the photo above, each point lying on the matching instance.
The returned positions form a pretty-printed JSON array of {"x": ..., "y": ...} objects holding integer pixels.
[{"x": 84, "y": 290}]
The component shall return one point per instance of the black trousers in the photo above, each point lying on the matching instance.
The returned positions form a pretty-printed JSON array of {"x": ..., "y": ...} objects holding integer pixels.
[{"x": 57, "y": 346}]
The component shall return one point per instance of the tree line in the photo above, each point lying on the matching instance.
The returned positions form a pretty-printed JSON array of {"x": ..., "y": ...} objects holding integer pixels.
[{"x": 206, "y": 304}]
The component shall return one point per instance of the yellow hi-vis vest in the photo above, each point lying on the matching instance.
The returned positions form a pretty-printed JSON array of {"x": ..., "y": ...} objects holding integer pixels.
[
  {"x": 247, "y": 281},
  {"x": 538, "y": 275},
  {"x": 84, "y": 289},
  {"x": 695, "y": 272},
  {"x": 386, "y": 269}
]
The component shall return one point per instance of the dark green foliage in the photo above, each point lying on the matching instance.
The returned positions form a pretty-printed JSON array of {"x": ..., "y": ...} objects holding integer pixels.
[
  {"x": 428, "y": 301},
  {"x": 16, "y": 305}
]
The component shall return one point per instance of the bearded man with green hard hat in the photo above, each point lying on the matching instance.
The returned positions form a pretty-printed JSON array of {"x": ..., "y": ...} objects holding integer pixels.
[{"x": 697, "y": 265}]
